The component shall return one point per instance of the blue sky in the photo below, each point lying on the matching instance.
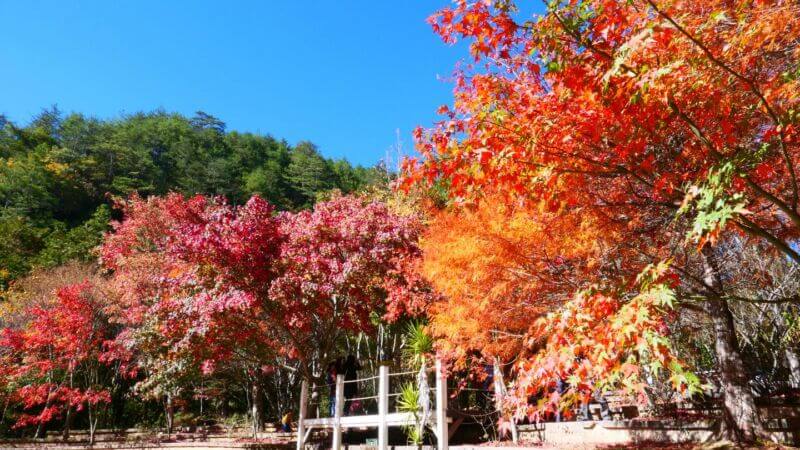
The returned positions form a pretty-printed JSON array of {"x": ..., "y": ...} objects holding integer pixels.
[{"x": 343, "y": 74}]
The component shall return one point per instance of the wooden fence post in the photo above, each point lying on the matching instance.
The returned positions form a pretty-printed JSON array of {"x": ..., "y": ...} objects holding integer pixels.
[
  {"x": 383, "y": 407},
  {"x": 301, "y": 415},
  {"x": 337, "y": 417},
  {"x": 441, "y": 407}
]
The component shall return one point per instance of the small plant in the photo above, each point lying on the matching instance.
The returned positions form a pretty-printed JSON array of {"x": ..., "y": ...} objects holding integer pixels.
[
  {"x": 418, "y": 343},
  {"x": 408, "y": 401}
]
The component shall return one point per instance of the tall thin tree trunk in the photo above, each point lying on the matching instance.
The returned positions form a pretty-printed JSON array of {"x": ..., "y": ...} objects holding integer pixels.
[
  {"x": 499, "y": 392},
  {"x": 257, "y": 406},
  {"x": 40, "y": 428},
  {"x": 739, "y": 408},
  {"x": 793, "y": 362},
  {"x": 92, "y": 423},
  {"x": 68, "y": 414},
  {"x": 67, "y": 424},
  {"x": 202, "y": 395},
  {"x": 170, "y": 413}
]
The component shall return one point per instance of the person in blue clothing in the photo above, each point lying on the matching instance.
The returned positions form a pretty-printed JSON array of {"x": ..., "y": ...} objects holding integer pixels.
[{"x": 286, "y": 422}]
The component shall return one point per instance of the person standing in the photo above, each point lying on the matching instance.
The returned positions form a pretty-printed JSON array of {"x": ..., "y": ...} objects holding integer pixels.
[
  {"x": 350, "y": 370},
  {"x": 334, "y": 369}
]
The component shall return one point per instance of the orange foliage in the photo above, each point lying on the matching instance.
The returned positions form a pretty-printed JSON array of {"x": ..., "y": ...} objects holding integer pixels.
[
  {"x": 663, "y": 126},
  {"x": 500, "y": 267}
]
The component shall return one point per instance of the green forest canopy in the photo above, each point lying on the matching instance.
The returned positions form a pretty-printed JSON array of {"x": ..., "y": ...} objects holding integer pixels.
[{"x": 60, "y": 173}]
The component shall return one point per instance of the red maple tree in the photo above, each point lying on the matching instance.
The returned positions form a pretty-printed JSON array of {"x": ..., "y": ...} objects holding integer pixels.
[
  {"x": 54, "y": 363},
  {"x": 205, "y": 286}
]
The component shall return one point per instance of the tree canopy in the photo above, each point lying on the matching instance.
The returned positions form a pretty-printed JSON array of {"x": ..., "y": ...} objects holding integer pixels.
[{"x": 669, "y": 129}]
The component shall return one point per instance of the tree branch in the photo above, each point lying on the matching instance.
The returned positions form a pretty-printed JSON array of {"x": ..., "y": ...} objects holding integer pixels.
[
  {"x": 751, "y": 228},
  {"x": 750, "y": 84}
]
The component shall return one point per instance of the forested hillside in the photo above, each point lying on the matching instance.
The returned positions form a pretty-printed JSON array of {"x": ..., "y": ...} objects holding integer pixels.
[{"x": 60, "y": 173}]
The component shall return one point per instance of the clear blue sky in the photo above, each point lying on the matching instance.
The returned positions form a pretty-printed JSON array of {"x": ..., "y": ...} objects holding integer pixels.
[{"x": 343, "y": 74}]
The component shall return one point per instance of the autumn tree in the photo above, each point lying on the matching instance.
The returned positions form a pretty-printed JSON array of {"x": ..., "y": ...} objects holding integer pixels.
[
  {"x": 674, "y": 124},
  {"x": 498, "y": 266},
  {"x": 187, "y": 275},
  {"x": 530, "y": 288},
  {"x": 54, "y": 364},
  {"x": 341, "y": 265},
  {"x": 203, "y": 286}
]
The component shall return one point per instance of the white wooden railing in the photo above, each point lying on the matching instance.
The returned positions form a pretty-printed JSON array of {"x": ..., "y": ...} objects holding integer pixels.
[{"x": 382, "y": 421}]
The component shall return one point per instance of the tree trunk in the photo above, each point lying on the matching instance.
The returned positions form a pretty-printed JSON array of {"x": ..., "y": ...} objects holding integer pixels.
[
  {"x": 170, "y": 414},
  {"x": 739, "y": 409},
  {"x": 499, "y": 392},
  {"x": 92, "y": 424},
  {"x": 257, "y": 406},
  {"x": 40, "y": 430},
  {"x": 68, "y": 414},
  {"x": 67, "y": 424},
  {"x": 40, "y": 427},
  {"x": 793, "y": 362}
]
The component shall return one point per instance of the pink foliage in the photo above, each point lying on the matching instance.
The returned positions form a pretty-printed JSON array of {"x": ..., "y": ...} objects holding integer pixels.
[{"x": 217, "y": 277}]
